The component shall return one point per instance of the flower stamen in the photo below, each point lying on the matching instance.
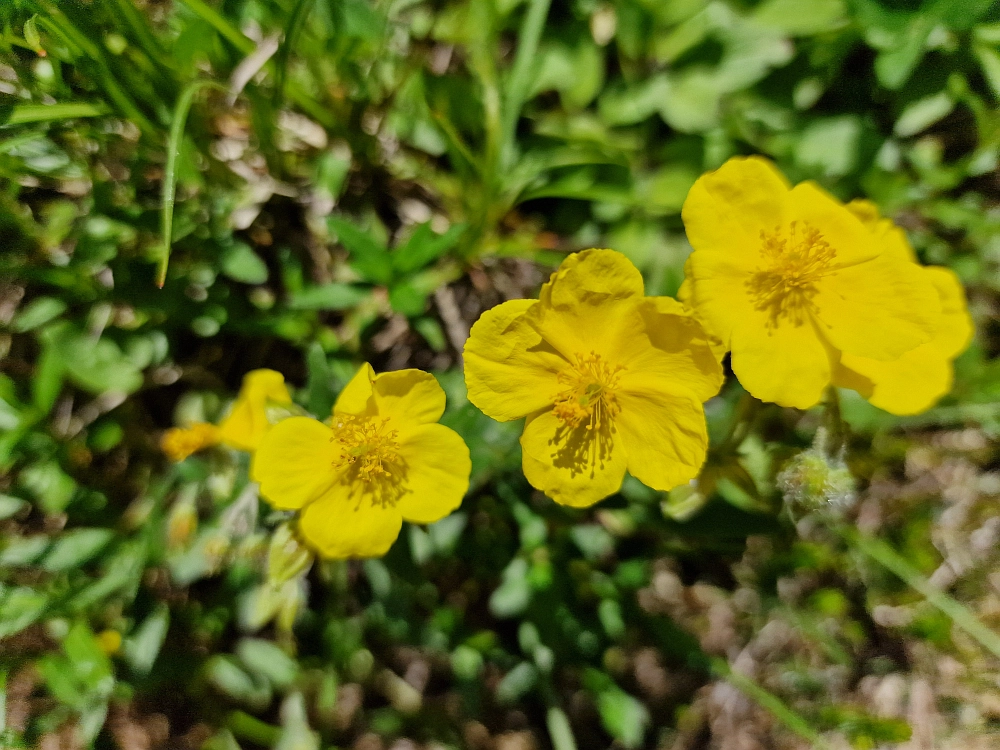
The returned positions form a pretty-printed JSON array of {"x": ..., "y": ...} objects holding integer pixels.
[
  {"x": 794, "y": 261},
  {"x": 588, "y": 398},
  {"x": 587, "y": 407},
  {"x": 370, "y": 451}
]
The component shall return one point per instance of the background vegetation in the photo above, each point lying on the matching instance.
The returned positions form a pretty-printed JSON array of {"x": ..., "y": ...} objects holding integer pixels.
[{"x": 359, "y": 179}]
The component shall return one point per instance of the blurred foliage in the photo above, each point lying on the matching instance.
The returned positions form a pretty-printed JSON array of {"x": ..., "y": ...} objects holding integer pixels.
[{"x": 366, "y": 179}]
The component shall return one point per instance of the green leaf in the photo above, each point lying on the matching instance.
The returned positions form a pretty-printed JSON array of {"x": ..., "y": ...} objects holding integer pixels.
[
  {"x": 593, "y": 540},
  {"x": 625, "y": 717},
  {"x": 51, "y": 486},
  {"x": 321, "y": 386},
  {"x": 830, "y": 145},
  {"x": 74, "y": 548},
  {"x": 333, "y": 296},
  {"x": 143, "y": 646},
  {"x": 11, "y": 506},
  {"x": 576, "y": 72},
  {"x": 20, "y": 551},
  {"x": 96, "y": 366},
  {"x": 90, "y": 663},
  {"x": 360, "y": 20},
  {"x": 631, "y": 104},
  {"x": 691, "y": 101},
  {"x": 368, "y": 256},
  {"x": 19, "y": 608},
  {"x": 989, "y": 61},
  {"x": 514, "y": 593},
  {"x": 425, "y": 246},
  {"x": 228, "y": 678},
  {"x": 801, "y": 17},
  {"x": 407, "y": 299},
  {"x": 48, "y": 380},
  {"x": 266, "y": 660},
  {"x": 240, "y": 263},
  {"x": 37, "y": 313},
  {"x": 431, "y": 330},
  {"x": 923, "y": 113},
  {"x": 895, "y": 65},
  {"x": 517, "y": 682}
]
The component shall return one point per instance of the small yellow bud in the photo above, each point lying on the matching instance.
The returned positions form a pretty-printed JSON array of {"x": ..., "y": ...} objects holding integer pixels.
[
  {"x": 110, "y": 641},
  {"x": 180, "y": 442}
]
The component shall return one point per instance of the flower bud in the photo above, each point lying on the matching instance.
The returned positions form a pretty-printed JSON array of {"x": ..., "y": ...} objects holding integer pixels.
[
  {"x": 813, "y": 481},
  {"x": 287, "y": 557}
]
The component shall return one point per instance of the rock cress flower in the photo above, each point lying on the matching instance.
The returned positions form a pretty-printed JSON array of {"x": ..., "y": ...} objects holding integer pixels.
[
  {"x": 608, "y": 379},
  {"x": 383, "y": 459},
  {"x": 789, "y": 279},
  {"x": 914, "y": 382},
  {"x": 242, "y": 428}
]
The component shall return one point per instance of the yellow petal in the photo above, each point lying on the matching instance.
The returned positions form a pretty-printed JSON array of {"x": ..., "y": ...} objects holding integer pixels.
[
  {"x": 726, "y": 210},
  {"x": 915, "y": 381},
  {"x": 295, "y": 462},
  {"x": 843, "y": 376},
  {"x": 853, "y": 242},
  {"x": 787, "y": 365},
  {"x": 891, "y": 239},
  {"x": 345, "y": 523},
  {"x": 955, "y": 330},
  {"x": 581, "y": 308},
  {"x": 573, "y": 467},
  {"x": 509, "y": 370},
  {"x": 670, "y": 350},
  {"x": 664, "y": 436},
  {"x": 355, "y": 398},
  {"x": 247, "y": 422},
  {"x": 437, "y": 472},
  {"x": 878, "y": 309},
  {"x": 409, "y": 397},
  {"x": 909, "y": 385}
]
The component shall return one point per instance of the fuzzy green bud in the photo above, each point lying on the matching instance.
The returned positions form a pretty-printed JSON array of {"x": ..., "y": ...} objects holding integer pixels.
[{"x": 814, "y": 481}]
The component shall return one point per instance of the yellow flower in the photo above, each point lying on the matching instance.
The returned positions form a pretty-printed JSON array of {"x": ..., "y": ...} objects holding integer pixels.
[
  {"x": 247, "y": 421},
  {"x": 914, "y": 382},
  {"x": 180, "y": 442},
  {"x": 384, "y": 460},
  {"x": 242, "y": 428},
  {"x": 788, "y": 279},
  {"x": 608, "y": 379}
]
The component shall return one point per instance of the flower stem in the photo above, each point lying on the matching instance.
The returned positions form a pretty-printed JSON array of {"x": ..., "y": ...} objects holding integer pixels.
[
  {"x": 836, "y": 429},
  {"x": 743, "y": 418},
  {"x": 961, "y": 615}
]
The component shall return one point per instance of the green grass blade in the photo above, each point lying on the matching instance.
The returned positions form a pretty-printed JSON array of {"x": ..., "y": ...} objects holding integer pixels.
[
  {"x": 23, "y": 114},
  {"x": 522, "y": 71},
  {"x": 181, "y": 110},
  {"x": 245, "y": 45},
  {"x": 215, "y": 19},
  {"x": 768, "y": 700},
  {"x": 125, "y": 12},
  {"x": 296, "y": 20},
  {"x": 58, "y": 23},
  {"x": 963, "y": 617}
]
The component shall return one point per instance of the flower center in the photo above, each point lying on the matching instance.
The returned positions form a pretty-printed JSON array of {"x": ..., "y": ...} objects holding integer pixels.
[
  {"x": 588, "y": 395},
  {"x": 369, "y": 447},
  {"x": 794, "y": 260}
]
